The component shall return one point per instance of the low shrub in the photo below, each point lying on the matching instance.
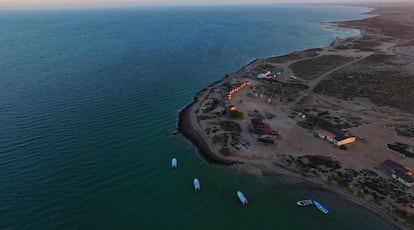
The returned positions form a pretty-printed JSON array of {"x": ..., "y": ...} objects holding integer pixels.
[{"x": 236, "y": 114}]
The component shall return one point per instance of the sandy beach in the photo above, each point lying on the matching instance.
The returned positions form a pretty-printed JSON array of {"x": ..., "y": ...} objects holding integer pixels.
[{"x": 361, "y": 84}]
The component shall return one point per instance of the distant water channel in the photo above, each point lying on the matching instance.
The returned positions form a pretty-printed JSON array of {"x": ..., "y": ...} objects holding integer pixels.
[{"x": 88, "y": 99}]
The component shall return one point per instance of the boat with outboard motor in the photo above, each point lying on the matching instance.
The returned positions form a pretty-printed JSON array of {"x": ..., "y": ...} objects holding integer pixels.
[
  {"x": 196, "y": 184},
  {"x": 320, "y": 207},
  {"x": 242, "y": 198},
  {"x": 174, "y": 163},
  {"x": 304, "y": 203}
]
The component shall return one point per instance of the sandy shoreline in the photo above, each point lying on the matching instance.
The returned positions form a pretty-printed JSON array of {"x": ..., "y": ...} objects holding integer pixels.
[{"x": 189, "y": 118}]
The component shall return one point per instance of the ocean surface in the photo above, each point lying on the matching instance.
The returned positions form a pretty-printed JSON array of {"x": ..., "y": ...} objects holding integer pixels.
[{"x": 89, "y": 99}]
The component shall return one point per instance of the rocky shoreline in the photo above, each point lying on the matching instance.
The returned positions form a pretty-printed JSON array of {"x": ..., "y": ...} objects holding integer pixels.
[{"x": 187, "y": 128}]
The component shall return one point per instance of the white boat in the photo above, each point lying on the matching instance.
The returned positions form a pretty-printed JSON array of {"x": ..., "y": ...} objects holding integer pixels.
[
  {"x": 242, "y": 198},
  {"x": 321, "y": 207},
  {"x": 174, "y": 163},
  {"x": 304, "y": 203},
  {"x": 196, "y": 184}
]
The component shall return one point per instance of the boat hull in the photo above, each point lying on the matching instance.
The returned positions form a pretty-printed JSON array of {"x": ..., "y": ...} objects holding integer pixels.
[
  {"x": 242, "y": 198},
  {"x": 196, "y": 184},
  {"x": 174, "y": 163},
  {"x": 304, "y": 203},
  {"x": 321, "y": 207}
]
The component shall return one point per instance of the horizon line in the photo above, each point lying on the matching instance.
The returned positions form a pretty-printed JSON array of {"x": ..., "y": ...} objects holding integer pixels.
[
  {"x": 126, "y": 6},
  {"x": 354, "y": 3}
]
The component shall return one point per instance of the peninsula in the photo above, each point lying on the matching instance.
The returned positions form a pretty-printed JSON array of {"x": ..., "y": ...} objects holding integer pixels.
[{"x": 341, "y": 116}]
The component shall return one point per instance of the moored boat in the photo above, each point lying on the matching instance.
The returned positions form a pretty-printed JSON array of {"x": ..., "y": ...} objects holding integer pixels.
[
  {"x": 304, "y": 203},
  {"x": 196, "y": 184},
  {"x": 242, "y": 198},
  {"x": 320, "y": 207},
  {"x": 174, "y": 163}
]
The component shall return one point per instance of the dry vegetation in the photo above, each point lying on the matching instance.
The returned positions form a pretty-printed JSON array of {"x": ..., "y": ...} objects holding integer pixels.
[
  {"x": 404, "y": 130},
  {"x": 309, "y": 69},
  {"x": 376, "y": 78},
  {"x": 295, "y": 56}
]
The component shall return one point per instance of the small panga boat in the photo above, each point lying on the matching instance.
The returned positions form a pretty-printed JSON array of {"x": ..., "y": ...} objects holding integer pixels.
[
  {"x": 174, "y": 163},
  {"x": 242, "y": 198},
  {"x": 196, "y": 184},
  {"x": 304, "y": 203},
  {"x": 320, "y": 207}
]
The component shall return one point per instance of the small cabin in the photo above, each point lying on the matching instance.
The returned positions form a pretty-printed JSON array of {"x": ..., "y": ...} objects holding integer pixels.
[
  {"x": 403, "y": 178},
  {"x": 392, "y": 166},
  {"x": 263, "y": 132},
  {"x": 398, "y": 172},
  {"x": 337, "y": 136}
]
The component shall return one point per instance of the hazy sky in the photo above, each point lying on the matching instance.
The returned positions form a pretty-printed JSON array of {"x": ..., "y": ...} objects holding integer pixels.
[{"x": 6, "y": 4}]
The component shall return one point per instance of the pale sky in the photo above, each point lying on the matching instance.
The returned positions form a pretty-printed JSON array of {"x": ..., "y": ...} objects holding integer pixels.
[{"x": 8, "y": 4}]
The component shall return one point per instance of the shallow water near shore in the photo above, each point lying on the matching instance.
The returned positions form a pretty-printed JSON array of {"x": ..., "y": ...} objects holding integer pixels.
[{"x": 89, "y": 99}]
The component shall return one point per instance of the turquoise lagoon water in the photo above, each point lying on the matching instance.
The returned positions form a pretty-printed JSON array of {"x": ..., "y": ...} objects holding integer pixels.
[{"x": 88, "y": 99}]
